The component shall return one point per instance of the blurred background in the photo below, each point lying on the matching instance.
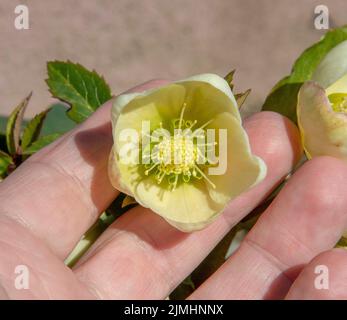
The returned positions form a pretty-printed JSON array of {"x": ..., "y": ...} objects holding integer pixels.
[{"x": 131, "y": 41}]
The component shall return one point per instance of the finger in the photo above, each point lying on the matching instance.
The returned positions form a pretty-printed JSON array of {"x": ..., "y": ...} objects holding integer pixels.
[
  {"x": 306, "y": 218},
  {"x": 60, "y": 191},
  {"x": 142, "y": 256},
  {"x": 325, "y": 277},
  {"x": 29, "y": 269}
]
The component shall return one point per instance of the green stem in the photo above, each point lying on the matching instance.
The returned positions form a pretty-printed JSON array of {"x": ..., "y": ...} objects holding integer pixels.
[{"x": 106, "y": 219}]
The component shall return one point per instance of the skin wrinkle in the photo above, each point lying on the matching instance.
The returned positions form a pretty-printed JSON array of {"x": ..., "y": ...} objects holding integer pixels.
[
  {"x": 166, "y": 271},
  {"x": 11, "y": 245},
  {"x": 3, "y": 292},
  {"x": 79, "y": 192},
  {"x": 308, "y": 251},
  {"x": 76, "y": 182},
  {"x": 19, "y": 252},
  {"x": 41, "y": 280},
  {"x": 41, "y": 277},
  {"x": 270, "y": 257},
  {"x": 42, "y": 283},
  {"x": 146, "y": 245},
  {"x": 15, "y": 251},
  {"x": 18, "y": 217},
  {"x": 92, "y": 288},
  {"x": 97, "y": 247}
]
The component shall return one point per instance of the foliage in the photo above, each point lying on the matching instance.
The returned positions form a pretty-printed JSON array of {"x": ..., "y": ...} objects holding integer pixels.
[
  {"x": 82, "y": 89},
  {"x": 283, "y": 97}
]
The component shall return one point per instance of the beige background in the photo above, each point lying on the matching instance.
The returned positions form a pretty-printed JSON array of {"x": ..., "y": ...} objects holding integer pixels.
[{"x": 130, "y": 41}]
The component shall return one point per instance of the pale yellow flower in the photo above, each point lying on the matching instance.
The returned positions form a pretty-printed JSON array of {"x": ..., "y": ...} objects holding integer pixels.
[
  {"x": 191, "y": 192},
  {"x": 322, "y": 107}
]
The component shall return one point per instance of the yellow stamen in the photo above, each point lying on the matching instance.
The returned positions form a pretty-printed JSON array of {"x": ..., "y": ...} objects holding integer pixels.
[{"x": 205, "y": 177}]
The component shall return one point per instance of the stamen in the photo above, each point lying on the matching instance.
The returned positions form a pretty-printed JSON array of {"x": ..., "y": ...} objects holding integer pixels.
[
  {"x": 209, "y": 144},
  {"x": 191, "y": 124},
  {"x": 189, "y": 152},
  {"x": 204, "y": 125},
  {"x": 338, "y": 102},
  {"x": 150, "y": 169},
  {"x": 181, "y": 116},
  {"x": 160, "y": 177},
  {"x": 175, "y": 183},
  {"x": 186, "y": 131},
  {"x": 186, "y": 177},
  {"x": 205, "y": 177}
]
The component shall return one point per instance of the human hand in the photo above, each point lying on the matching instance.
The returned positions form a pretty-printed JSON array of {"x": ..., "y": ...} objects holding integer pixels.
[{"x": 56, "y": 195}]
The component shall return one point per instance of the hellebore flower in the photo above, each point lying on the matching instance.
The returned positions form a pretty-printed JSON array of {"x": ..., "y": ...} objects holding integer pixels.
[
  {"x": 322, "y": 107},
  {"x": 181, "y": 151}
]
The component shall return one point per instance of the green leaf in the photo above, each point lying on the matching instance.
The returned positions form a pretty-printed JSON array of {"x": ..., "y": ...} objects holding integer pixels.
[
  {"x": 230, "y": 79},
  {"x": 3, "y": 145},
  {"x": 14, "y": 126},
  {"x": 82, "y": 89},
  {"x": 33, "y": 129},
  {"x": 342, "y": 243},
  {"x": 41, "y": 142},
  {"x": 57, "y": 120},
  {"x": 5, "y": 161},
  {"x": 283, "y": 97},
  {"x": 241, "y": 97},
  {"x": 114, "y": 211}
]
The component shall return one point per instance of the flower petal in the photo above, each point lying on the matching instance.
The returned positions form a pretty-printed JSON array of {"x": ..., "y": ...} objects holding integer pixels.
[
  {"x": 323, "y": 131},
  {"x": 209, "y": 94},
  {"x": 123, "y": 177},
  {"x": 156, "y": 105},
  {"x": 340, "y": 86},
  {"x": 187, "y": 208},
  {"x": 243, "y": 171},
  {"x": 332, "y": 67}
]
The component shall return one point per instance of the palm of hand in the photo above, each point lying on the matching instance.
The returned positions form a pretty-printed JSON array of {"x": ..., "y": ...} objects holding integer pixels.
[{"x": 52, "y": 199}]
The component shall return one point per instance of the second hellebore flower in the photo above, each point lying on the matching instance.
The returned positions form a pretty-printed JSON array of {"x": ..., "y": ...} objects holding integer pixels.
[
  {"x": 181, "y": 150},
  {"x": 322, "y": 107}
]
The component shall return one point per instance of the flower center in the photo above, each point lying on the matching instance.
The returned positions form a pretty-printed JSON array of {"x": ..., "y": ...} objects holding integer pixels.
[
  {"x": 178, "y": 158},
  {"x": 338, "y": 102},
  {"x": 176, "y": 154}
]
